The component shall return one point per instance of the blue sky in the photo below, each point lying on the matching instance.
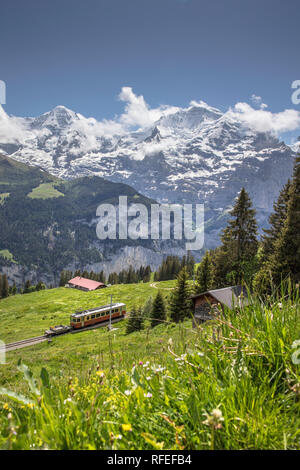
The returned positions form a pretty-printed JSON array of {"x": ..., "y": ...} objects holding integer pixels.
[{"x": 81, "y": 53}]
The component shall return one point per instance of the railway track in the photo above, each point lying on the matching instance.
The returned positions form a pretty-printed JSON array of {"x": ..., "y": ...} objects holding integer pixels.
[
  {"x": 23, "y": 343},
  {"x": 39, "y": 339}
]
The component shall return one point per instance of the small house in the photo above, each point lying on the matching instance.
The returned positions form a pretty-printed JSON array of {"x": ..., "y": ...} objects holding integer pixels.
[
  {"x": 205, "y": 304},
  {"x": 85, "y": 284}
]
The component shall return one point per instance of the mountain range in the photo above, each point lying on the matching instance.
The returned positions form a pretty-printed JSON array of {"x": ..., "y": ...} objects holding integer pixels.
[{"x": 197, "y": 154}]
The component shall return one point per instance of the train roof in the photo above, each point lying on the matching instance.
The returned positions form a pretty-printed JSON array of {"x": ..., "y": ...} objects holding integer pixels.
[{"x": 97, "y": 309}]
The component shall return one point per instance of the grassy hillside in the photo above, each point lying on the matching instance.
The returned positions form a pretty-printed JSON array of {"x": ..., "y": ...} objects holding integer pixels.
[
  {"x": 24, "y": 316},
  {"x": 232, "y": 384},
  {"x": 28, "y": 315}
]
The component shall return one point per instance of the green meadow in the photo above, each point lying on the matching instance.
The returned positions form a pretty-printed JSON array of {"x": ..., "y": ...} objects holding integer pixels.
[
  {"x": 45, "y": 191},
  {"x": 233, "y": 383}
]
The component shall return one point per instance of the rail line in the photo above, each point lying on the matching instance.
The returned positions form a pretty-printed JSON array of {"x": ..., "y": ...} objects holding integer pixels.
[
  {"x": 39, "y": 339},
  {"x": 23, "y": 343}
]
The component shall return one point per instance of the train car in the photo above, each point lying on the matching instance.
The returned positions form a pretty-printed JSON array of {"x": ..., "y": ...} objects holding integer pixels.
[
  {"x": 57, "y": 330},
  {"x": 97, "y": 315}
]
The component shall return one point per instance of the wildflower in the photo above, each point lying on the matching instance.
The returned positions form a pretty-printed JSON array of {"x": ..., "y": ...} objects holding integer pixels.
[
  {"x": 296, "y": 389},
  {"x": 30, "y": 405},
  {"x": 148, "y": 378},
  {"x": 119, "y": 437},
  {"x": 159, "y": 369},
  {"x": 100, "y": 373},
  {"x": 141, "y": 363},
  {"x": 148, "y": 395},
  {"x": 126, "y": 427},
  {"x": 214, "y": 420},
  {"x": 6, "y": 407},
  {"x": 128, "y": 392},
  {"x": 67, "y": 399}
]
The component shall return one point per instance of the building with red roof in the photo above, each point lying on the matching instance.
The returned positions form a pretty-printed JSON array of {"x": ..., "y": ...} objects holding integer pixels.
[{"x": 85, "y": 284}]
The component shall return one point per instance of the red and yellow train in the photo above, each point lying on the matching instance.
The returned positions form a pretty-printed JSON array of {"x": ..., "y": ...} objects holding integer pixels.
[
  {"x": 97, "y": 315},
  {"x": 90, "y": 317}
]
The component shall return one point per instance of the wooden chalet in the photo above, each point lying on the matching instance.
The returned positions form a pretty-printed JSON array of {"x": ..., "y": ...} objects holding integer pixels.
[{"x": 208, "y": 303}]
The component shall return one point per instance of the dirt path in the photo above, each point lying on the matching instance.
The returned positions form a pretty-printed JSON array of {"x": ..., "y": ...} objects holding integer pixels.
[{"x": 154, "y": 285}]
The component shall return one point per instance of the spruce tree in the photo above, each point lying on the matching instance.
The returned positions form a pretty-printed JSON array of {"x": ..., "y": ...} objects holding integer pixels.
[
  {"x": 204, "y": 279},
  {"x": 265, "y": 276},
  {"x": 180, "y": 301},
  {"x": 236, "y": 259},
  {"x": 286, "y": 258},
  {"x": 147, "y": 308},
  {"x": 135, "y": 321},
  {"x": 276, "y": 221},
  {"x": 4, "y": 287},
  {"x": 158, "y": 313},
  {"x": 27, "y": 287},
  {"x": 63, "y": 279}
]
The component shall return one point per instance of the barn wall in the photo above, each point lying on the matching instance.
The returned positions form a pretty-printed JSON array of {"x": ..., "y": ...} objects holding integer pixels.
[{"x": 202, "y": 308}]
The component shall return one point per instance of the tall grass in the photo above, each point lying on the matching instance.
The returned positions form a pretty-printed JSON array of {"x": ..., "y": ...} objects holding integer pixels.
[{"x": 234, "y": 386}]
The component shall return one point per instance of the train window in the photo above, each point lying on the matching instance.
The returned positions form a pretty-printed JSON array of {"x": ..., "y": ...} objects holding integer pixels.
[
  {"x": 98, "y": 315},
  {"x": 93, "y": 316}
]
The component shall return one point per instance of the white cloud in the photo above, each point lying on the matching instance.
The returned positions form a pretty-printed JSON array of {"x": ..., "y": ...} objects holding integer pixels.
[
  {"x": 12, "y": 129},
  {"x": 257, "y": 101},
  {"x": 261, "y": 120},
  {"x": 137, "y": 111},
  {"x": 139, "y": 115}
]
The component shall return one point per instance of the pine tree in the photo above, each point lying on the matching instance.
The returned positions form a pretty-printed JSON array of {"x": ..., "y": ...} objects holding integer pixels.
[
  {"x": 135, "y": 320},
  {"x": 190, "y": 264},
  {"x": 264, "y": 277},
  {"x": 4, "y": 287},
  {"x": 147, "y": 308},
  {"x": 63, "y": 279},
  {"x": 276, "y": 221},
  {"x": 27, "y": 287},
  {"x": 180, "y": 302},
  {"x": 158, "y": 313},
  {"x": 286, "y": 258},
  {"x": 236, "y": 259},
  {"x": 14, "y": 289},
  {"x": 204, "y": 279},
  {"x": 40, "y": 286}
]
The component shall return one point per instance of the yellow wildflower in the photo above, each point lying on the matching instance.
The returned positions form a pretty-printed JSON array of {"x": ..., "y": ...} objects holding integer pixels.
[{"x": 126, "y": 427}]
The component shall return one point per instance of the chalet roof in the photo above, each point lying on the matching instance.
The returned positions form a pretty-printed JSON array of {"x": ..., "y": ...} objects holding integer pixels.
[
  {"x": 85, "y": 283},
  {"x": 232, "y": 296}
]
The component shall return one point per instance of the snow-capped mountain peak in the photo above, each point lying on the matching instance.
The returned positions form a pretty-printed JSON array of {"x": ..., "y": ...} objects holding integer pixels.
[
  {"x": 195, "y": 117},
  {"x": 196, "y": 154},
  {"x": 59, "y": 117}
]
